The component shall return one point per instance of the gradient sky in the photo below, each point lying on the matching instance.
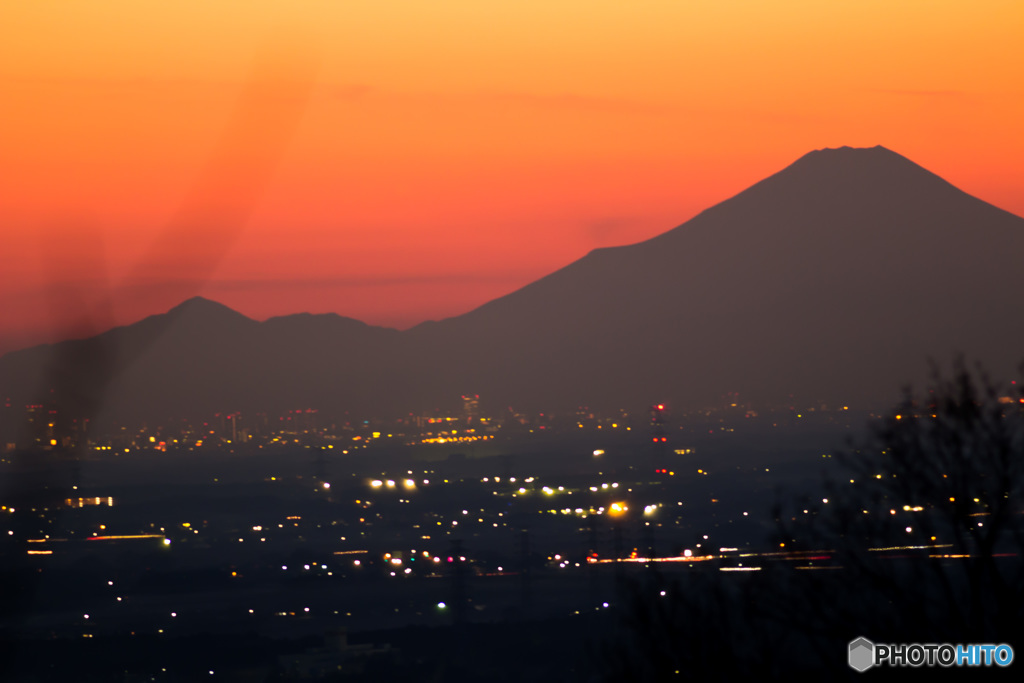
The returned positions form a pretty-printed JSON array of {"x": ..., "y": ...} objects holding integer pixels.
[{"x": 396, "y": 161}]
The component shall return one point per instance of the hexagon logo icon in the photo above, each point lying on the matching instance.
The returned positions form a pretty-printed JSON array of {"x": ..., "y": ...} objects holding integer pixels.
[{"x": 862, "y": 654}]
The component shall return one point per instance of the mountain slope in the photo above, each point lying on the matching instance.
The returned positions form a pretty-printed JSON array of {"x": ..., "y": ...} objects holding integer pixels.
[
  {"x": 831, "y": 280},
  {"x": 201, "y": 357}
]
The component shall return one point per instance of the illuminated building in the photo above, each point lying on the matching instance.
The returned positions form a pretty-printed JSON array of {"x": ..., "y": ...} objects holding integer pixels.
[
  {"x": 39, "y": 427},
  {"x": 659, "y": 437},
  {"x": 470, "y": 408}
]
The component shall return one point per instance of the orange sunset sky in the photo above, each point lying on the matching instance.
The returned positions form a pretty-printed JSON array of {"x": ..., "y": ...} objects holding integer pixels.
[{"x": 397, "y": 161}]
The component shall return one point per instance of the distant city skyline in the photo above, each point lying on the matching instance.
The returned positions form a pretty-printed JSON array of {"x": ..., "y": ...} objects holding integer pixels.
[{"x": 400, "y": 161}]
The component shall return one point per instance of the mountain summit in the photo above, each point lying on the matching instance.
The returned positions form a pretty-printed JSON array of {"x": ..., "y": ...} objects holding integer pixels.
[
  {"x": 201, "y": 306},
  {"x": 831, "y": 281}
]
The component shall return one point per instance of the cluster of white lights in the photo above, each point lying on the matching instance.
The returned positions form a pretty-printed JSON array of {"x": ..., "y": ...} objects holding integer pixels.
[{"x": 407, "y": 484}]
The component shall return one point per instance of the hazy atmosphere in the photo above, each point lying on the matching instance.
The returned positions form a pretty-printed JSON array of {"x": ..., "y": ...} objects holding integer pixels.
[
  {"x": 396, "y": 162},
  {"x": 511, "y": 341}
]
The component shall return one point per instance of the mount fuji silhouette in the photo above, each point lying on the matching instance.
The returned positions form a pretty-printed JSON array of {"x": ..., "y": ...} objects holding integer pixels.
[{"x": 831, "y": 282}]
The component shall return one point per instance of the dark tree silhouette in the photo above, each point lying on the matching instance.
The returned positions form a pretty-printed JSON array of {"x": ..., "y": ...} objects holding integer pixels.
[
  {"x": 922, "y": 523},
  {"x": 924, "y": 519}
]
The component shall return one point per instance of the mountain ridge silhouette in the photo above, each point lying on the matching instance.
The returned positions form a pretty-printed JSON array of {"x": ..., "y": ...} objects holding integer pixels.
[{"x": 830, "y": 281}]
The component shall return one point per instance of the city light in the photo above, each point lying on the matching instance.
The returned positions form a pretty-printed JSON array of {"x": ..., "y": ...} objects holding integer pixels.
[{"x": 617, "y": 509}]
